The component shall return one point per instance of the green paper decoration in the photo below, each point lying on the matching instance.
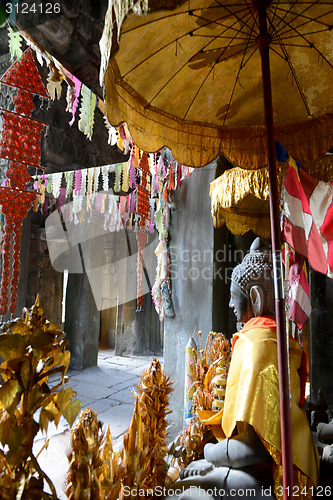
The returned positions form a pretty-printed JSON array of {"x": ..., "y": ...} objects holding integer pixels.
[{"x": 87, "y": 111}]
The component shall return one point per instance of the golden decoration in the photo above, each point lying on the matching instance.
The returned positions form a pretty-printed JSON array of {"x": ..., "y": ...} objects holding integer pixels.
[
  {"x": 85, "y": 463},
  {"x": 154, "y": 389},
  {"x": 32, "y": 349},
  {"x": 187, "y": 447},
  {"x": 217, "y": 351}
]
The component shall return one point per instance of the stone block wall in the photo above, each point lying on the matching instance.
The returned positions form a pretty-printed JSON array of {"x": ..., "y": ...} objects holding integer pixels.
[
  {"x": 191, "y": 249},
  {"x": 320, "y": 337},
  {"x": 42, "y": 279}
]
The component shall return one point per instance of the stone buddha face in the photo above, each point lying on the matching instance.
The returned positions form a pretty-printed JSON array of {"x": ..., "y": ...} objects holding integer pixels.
[
  {"x": 252, "y": 287},
  {"x": 240, "y": 303}
]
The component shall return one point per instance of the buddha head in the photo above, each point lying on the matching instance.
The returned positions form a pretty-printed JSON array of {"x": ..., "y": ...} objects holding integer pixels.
[{"x": 252, "y": 285}]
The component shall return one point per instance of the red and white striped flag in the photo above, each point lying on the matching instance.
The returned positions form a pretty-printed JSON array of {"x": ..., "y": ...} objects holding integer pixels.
[
  {"x": 308, "y": 217},
  {"x": 299, "y": 301},
  {"x": 299, "y": 293}
]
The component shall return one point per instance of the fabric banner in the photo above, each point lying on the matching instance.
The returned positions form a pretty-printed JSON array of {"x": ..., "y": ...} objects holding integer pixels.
[
  {"x": 308, "y": 217},
  {"x": 299, "y": 294}
]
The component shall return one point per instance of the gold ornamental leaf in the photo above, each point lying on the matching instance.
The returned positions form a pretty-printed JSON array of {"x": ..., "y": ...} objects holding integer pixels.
[
  {"x": 14, "y": 365},
  {"x": 9, "y": 393},
  {"x": 26, "y": 374},
  {"x": 34, "y": 399},
  {"x": 5, "y": 427},
  {"x": 41, "y": 342},
  {"x": 12, "y": 346},
  {"x": 54, "y": 328},
  {"x": 16, "y": 436},
  {"x": 63, "y": 359},
  {"x": 5, "y": 372},
  {"x": 210, "y": 372},
  {"x": 18, "y": 327},
  {"x": 43, "y": 420},
  {"x": 57, "y": 419},
  {"x": 64, "y": 397},
  {"x": 107, "y": 449},
  {"x": 71, "y": 411},
  {"x": 51, "y": 411}
]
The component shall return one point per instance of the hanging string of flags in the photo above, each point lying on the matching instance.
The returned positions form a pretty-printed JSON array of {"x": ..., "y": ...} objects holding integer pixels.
[
  {"x": 145, "y": 182},
  {"x": 142, "y": 185}
]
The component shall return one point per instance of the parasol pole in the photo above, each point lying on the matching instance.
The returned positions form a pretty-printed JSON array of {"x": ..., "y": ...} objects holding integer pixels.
[{"x": 264, "y": 40}]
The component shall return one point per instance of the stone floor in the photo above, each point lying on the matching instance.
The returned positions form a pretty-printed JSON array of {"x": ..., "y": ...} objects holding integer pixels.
[{"x": 107, "y": 390}]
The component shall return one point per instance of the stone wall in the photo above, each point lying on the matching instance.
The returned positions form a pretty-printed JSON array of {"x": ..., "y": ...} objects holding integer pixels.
[
  {"x": 82, "y": 324},
  {"x": 321, "y": 334},
  {"x": 191, "y": 249},
  {"x": 42, "y": 279}
]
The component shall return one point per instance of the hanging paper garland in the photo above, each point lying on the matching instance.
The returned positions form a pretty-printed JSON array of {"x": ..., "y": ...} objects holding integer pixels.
[
  {"x": 132, "y": 175},
  {"x": 142, "y": 202},
  {"x": 14, "y": 38},
  {"x": 24, "y": 74},
  {"x": 84, "y": 172},
  {"x": 96, "y": 179},
  {"x": 112, "y": 133},
  {"x": 142, "y": 209},
  {"x": 23, "y": 101},
  {"x": 143, "y": 165},
  {"x": 105, "y": 177},
  {"x": 87, "y": 111},
  {"x": 55, "y": 79},
  {"x": 21, "y": 139},
  {"x": 15, "y": 206},
  {"x": 125, "y": 177},
  {"x": 21, "y": 144},
  {"x": 56, "y": 184},
  {"x": 117, "y": 182},
  {"x": 17, "y": 175},
  {"x": 141, "y": 238},
  {"x": 78, "y": 179},
  {"x": 73, "y": 93}
]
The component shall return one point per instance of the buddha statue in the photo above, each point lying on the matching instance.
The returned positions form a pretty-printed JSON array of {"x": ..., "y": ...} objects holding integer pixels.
[{"x": 248, "y": 455}]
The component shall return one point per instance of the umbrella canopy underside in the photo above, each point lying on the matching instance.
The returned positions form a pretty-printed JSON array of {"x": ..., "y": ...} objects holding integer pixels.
[{"x": 191, "y": 79}]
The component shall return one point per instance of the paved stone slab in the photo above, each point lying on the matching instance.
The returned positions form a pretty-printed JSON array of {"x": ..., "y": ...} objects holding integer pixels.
[
  {"x": 101, "y": 405},
  {"x": 124, "y": 396},
  {"x": 104, "y": 353},
  {"x": 118, "y": 418},
  {"x": 127, "y": 384},
  {"x": 105, "y": 377},
  {"x": 126, "y": 361},
  {"x": 137, "y": 370},
  {"x": 92, "y": 391}
]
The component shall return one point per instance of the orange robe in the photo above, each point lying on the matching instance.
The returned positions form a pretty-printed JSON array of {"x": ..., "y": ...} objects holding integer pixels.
[{"x": 252, "y": 396}]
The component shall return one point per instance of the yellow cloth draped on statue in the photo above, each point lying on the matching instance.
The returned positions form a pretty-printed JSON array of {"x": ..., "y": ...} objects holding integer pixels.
[{"x": 252, "y": 396}]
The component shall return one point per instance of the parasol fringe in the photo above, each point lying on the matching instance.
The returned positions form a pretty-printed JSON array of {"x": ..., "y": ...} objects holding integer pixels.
[{"x": 115, "y": 14}]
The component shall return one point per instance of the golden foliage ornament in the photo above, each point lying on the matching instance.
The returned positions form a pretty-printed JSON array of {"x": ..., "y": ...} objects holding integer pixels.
[{"x": 33, "y": 349}]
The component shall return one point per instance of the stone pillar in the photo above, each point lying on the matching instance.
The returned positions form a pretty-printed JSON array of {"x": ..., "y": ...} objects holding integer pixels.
[
  {"x": 82, "y": 323},
  {"x": 126, "y": 329},
  {"x": 321, "y": 334},
  {"x": 191, "y": 251},
  {"x": 138, "y": 333},
  {"x": 24, "y": 260},
  {"x": 221, "y": 286}
]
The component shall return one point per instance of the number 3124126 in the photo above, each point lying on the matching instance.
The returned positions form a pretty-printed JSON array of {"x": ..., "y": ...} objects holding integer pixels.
[{"x": 34, "y": 7}]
